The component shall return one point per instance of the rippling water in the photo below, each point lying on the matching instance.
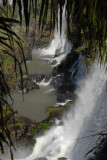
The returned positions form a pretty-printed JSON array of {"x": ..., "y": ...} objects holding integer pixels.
[
  {"x": 87, "y": 116},
  {"x": 37, "y": 101}
]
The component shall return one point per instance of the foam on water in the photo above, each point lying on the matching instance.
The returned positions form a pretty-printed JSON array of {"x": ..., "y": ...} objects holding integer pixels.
[
  {"x": 63, "y": 103},
  {"x": 64, "y": 140},
  {"x": 44, "y": 83},
  {"x": 61, "y": 141},
  {"x": 59, "y": 43}
]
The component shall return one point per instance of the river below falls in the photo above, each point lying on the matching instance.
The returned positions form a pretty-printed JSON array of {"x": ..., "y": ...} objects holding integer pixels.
[
  {"x": 65, "y": 139},
  {"x": 40, "y": 63},
  {"x": 70, "y": 138},
  {"x": 36, "y": 101}
]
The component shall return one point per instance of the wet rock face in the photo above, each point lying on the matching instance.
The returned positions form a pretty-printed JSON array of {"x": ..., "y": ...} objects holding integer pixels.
[
  {"x": 58, "y": 53},
  {"x": 64, "y": 86},
  {"x": 67, "y": 63},
  {"x": 30, "y": 85},
  {"x": 64, "y": 76},
  {"x": 102, "y": 154},
  {"x": 57, "y": 81},
  {"x": 66, "y": 92},
  {"x": 39, "y": 77}
]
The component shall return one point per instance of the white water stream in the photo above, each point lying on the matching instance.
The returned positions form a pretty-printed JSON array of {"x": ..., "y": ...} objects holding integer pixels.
[
  {"x": 84, "y": 118},
  {"x": 60, "y": 43}
]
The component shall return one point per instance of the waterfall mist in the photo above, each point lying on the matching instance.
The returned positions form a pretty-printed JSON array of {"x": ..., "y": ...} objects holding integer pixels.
[
  {"x": 60, "y": 42},
  {"x": 84, "y": 118}
]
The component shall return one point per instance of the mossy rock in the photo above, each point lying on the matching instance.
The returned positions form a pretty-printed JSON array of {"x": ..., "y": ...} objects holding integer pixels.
[
  {"x": 20, "y": 125},
  {"x": 33, "y": 132},
  {"x": 68, "y": 104},
  {"x": 54, "y": 111},
  {"x": 44, "y": 126}
]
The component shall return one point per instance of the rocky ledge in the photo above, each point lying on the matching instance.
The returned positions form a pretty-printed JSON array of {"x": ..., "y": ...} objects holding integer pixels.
[
  {"x": 23, "y": 130},
  {"x": 28, "y": 85},
  {"x": 40, "y": 77}
]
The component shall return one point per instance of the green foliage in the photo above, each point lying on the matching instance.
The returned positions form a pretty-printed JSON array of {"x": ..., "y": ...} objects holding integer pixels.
[
  {"x": 89, "y": 57},
  {"x": 20, "y": 116},
  {"x": 89, "y": 20},
  {"x": 20, "y": 125},
  {"x": 8, "y": 64},
  {"x": 18, "y": 131},
  {"x": 11, "y": 126},
  {"x": 53, "y": 110},
  {"x": 44, "y": 126},
  {"x": 33, "y": 131}
]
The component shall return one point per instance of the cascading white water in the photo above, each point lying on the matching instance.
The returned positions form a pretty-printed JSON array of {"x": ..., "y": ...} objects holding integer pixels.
[
  {"x": 60, "y": 42},
  {"x": 84, "y": 117},
  {"x": 63, "y": 141}
]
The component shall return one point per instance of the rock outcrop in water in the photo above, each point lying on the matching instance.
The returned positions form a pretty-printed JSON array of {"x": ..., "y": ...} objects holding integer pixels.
[
  {"x": 21, "y": 128},
  {"x": 29, "y": 85}
]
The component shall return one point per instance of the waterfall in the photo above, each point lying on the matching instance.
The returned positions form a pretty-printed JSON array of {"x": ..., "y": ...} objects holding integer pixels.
[
  {"x": 83, "y": 119},
  {"x": 60, "y": 43}
]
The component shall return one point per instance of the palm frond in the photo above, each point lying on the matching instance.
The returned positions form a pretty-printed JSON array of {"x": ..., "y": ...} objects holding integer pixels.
[{"x": 87, "y": 17}]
